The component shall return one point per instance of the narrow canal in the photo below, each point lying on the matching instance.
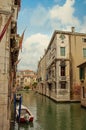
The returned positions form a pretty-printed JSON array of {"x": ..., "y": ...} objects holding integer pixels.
[{"x": 49, "y": 115}]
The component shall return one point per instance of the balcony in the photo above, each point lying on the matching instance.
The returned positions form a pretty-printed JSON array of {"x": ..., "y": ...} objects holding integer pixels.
[
  {"x": 13, "y": 27},
  {"x": 62, "y": 78},
  {"x": 51, "y": 80},
  {"x": 12, "y": 42},
  {"x": 17, "y": 3},
  {"x": 14, "y": 57}
]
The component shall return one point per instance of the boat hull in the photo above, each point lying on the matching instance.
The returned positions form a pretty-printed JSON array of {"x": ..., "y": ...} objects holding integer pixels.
[{"x": 25, "y": 115}]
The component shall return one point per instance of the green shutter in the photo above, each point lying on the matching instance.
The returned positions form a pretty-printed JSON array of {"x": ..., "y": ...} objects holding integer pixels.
[
  {"x": 62, "y": 51},
  {"x": 84, "y": 52},
  {"x": 82, "y": 73}
]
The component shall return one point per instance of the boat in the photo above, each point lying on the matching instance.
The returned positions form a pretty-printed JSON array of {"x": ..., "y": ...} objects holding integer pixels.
[{"x": 25, "y": 114}]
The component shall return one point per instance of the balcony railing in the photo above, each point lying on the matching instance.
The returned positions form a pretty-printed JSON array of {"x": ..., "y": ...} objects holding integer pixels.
[
  {"x": 13, "y": 28},
  {"x": 51, "y": 79},
  {"x": 17, "y": 2},
  {"x": 62, "y": 78}
]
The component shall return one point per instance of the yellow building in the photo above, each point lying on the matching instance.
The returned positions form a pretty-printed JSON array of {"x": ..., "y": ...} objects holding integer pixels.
[
  {"x": 82, "y": 76},
  {"x": 65, "y": 52},
  {"x": 25, "y": 78}
]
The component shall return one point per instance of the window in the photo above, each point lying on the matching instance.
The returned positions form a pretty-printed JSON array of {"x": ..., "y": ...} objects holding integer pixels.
[
  {"x": 18, "y": 81},
  {"x": 62, "y": 51},
  {"x": 82, "y": 73},
  {"x": 25, "y": 80},
  {"x": 63, "y": 85},
  {"x": 84, "y": 52},
  {"x": 83, "y": 90},
  {"x": 83, "y": 39},
  {"x": 62, "y": 71}
]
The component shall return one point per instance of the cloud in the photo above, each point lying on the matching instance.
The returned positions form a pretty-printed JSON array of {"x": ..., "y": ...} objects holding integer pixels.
[
  {"x": 58, "y": 17},
  {"x": 83, "y": 28},
  {"x": 64, "y": 15},
  {"x": 33, "y": 48},
  {"x": 39, "y": 17},
  {"x": 45, "y": 20}
]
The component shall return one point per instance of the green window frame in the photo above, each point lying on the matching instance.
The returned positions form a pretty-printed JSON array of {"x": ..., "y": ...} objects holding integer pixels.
[
  {"x": 84, "y": 52},
  {"x": 82, "y": 73},
  {"x": 62, "y": 51}
]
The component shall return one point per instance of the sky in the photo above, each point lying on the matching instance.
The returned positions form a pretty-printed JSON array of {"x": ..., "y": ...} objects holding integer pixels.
[{"x": 41, "y": 18}]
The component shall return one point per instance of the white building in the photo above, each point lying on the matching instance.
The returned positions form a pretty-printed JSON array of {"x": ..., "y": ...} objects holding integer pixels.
[{"x": 65, "y": 52}]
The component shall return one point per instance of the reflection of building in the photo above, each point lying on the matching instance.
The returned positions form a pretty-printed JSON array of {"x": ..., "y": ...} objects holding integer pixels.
[
  {"x": 58, "y": 74},
  {"x": 82, "y": 76},
  {"x": 9, "y": 50},
  {"x": 25, "y": 78}
]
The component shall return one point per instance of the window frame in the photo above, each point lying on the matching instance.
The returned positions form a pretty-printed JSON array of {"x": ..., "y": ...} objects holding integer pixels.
[
  {"x": 62, "y": 70},
  {"x": 62, "y": 51},
  {"x": 84, "y": 52},
  {"x": 82, "y": 73},
  {"x": 63, "y": 85},
  {"x": 84, "y": 40}
]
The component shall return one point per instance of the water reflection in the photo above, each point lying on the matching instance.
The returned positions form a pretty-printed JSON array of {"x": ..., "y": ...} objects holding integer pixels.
[
  {"x": 51, "y": 116},
  {"x": 25, "y": 126}
]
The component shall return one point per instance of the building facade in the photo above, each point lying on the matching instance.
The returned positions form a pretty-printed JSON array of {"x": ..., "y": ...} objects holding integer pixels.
[
  {"x": 25, "y": 78},
  {"x": 41, "y": 75},
  {"x": 9, "y": 49},
  {"x": 65, "y": 52},
  {"x": 82, "y": 77}
]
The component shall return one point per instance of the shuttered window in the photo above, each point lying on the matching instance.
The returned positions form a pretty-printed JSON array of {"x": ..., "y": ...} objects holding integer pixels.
[
  {"x": 62, "y": 51},
  {"x": 82, "y": 73},
  {"x": 84, "y": 52}
]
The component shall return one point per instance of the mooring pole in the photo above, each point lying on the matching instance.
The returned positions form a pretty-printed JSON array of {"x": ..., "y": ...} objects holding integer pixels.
[
  {"x": 14, "y": 106},
  {"x": 20, "y": 101}
]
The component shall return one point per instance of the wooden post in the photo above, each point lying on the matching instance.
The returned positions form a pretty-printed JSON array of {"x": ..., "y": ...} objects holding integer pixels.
[
  {"x": 14, "y": 106},
  {"x": 20, "y": 101}
]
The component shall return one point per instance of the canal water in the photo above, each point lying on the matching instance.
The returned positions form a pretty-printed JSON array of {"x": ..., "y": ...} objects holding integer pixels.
[{"x": 49, "y": 115}]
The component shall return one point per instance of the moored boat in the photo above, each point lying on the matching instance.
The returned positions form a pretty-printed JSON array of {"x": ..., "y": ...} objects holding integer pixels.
[{"x": 25, "y": 114}]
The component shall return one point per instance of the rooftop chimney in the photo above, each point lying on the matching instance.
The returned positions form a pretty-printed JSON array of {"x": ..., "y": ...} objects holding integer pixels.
[{"x": 73, "y": 29}]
